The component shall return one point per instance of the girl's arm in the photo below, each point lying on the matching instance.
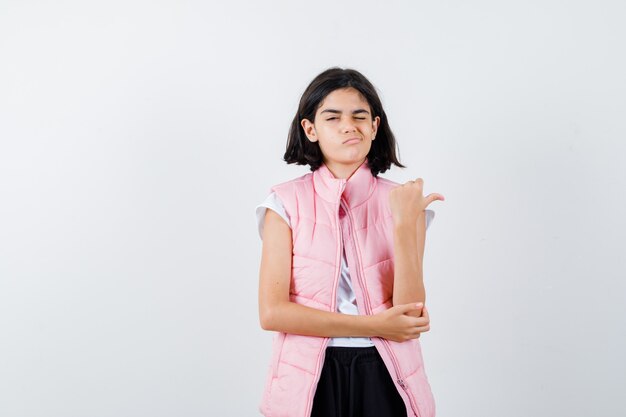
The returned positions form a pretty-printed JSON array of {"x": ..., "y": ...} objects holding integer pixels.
[
  {"x": 278, "y": 313},
  {"x": 409, "y": 240},
  {"x": 408, "y": 207}
]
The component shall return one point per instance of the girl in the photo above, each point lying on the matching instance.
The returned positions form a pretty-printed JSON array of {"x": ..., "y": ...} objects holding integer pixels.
[{"x": 341, "y": 270}]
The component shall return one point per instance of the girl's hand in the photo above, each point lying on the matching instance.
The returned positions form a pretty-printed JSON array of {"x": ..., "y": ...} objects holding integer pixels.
[
  {"x": 394, "y": 324},
  {"x": 407, "y": 202}
]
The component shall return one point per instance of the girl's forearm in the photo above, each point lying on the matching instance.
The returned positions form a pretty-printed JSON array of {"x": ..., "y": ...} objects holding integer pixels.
[
  {"x": 408, "y": 280},
  {"x": 290, "y": 317}
]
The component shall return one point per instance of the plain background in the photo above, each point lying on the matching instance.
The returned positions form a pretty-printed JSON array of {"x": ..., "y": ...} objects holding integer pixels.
[{"x": 137, "y": 137}]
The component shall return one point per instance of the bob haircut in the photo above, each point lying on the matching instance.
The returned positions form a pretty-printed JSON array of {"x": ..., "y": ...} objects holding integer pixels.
[{"x": 301, "y": 151}]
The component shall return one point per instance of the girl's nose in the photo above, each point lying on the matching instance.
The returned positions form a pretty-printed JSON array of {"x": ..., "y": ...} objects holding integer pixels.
[{"x": 349, "y": 126}]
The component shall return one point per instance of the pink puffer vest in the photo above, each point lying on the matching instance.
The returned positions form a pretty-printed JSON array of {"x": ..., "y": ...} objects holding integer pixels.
[{"x": 322, "y": 209}]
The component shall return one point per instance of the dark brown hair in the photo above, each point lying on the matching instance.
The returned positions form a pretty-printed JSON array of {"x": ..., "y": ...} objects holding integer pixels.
[{"x": 301, "y": 151}]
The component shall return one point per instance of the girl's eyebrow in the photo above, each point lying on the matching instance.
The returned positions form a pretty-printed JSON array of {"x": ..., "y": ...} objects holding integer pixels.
[{"x": 357, "y": 111}]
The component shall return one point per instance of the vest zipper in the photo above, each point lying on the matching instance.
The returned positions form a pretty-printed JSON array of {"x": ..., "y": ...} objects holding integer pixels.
[
  {"x": 333, "y": 307},
  {"x": 368, "y": 309}
]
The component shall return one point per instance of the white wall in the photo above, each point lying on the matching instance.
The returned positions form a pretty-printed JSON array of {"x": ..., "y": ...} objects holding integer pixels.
[{"x": 137, "y": 137}]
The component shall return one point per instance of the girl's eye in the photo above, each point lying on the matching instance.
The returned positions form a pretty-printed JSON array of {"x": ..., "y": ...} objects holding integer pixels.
[{"x": 359, "y": 118}]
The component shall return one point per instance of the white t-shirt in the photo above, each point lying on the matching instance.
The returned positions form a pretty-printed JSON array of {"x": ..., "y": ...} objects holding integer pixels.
[{"x": 346, "y": 300}]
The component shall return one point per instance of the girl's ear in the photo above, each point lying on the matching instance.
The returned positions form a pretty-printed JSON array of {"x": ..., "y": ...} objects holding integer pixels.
[
  {"x": 309, "y": 130},
  {"x": 375, "y": 124}
]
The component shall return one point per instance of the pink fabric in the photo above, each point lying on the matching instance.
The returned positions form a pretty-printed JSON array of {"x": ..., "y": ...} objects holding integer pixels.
[{"x": 322, "y": 209}]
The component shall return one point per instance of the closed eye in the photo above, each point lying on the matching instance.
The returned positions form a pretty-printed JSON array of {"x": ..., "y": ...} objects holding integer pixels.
[{"x": 359, "y": 118}]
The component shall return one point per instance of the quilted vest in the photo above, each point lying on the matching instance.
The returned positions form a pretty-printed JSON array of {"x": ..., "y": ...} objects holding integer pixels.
[{"x": 326, "y": 214}]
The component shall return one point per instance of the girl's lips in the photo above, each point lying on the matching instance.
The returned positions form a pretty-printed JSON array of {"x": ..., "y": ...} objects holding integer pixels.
[{"x": 351, "y": 141}]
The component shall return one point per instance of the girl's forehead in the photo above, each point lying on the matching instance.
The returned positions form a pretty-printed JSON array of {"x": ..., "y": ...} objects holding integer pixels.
[{"x": 345, "y": 97}]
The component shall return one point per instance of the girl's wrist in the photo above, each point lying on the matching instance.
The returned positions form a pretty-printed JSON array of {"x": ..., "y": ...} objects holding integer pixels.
[
  {"x": 370, "y": 325},
  {"x": 401, "y": 225}
]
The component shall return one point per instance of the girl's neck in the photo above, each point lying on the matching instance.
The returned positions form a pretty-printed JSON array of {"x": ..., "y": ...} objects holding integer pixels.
[{"x": 340, "y": 170}]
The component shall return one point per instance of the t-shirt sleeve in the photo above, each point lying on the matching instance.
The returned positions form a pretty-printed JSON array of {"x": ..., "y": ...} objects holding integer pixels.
[
  {"x": 273, "y": 202},
  {"x": 430, "y": 215}
]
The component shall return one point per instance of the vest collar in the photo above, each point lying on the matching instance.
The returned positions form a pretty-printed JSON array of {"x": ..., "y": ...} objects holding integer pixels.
[{"x": 355, "y": 190}]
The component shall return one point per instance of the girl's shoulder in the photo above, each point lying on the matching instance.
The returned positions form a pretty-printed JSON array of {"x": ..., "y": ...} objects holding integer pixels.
[
  {"x": 302, "y": 178},
  {"x": 294, "y": 189},
  {"x": 273, "y": 202},
  {"x": 386, "y": 182}
]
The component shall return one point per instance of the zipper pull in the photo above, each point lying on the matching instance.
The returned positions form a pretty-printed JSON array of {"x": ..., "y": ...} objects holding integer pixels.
[
  {"x": 401, "y": 382},
  {"x": 342, "y": 187}
]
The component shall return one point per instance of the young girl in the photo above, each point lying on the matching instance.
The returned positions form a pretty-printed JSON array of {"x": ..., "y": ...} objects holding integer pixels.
[{"x": 341, "y": 270}]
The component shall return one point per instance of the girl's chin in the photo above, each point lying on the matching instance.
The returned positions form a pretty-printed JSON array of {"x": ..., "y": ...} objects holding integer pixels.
[
  {"x": 355, "y": 156},
  {"x": 349, "y": 156},
  {"x": 348, "y": 159}
]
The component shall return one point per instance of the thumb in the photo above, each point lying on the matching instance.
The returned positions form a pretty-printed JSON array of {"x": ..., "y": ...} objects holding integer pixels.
[{"x": 433, "y": 197}]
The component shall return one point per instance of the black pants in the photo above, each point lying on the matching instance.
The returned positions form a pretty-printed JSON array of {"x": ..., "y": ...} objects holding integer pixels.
[{"x": 355, "y": 383}]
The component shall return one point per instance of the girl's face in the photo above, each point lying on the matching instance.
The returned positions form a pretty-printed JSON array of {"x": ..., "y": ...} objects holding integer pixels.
[{"x": 343, "y": 127}]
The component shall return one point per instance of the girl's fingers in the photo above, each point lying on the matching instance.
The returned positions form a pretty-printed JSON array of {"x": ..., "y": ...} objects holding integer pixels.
[{"x": 422, "y": 329}]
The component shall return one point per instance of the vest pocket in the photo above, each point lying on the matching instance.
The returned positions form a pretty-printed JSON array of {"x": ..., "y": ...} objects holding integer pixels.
[
  {"x": 277, "y": 349},
  {"x": 418, "y": 383}
]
